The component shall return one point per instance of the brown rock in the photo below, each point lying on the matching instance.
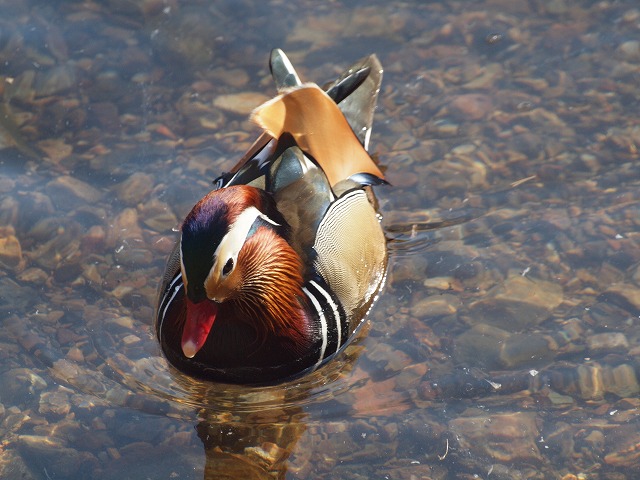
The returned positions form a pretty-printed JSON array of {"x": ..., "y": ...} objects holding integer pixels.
[
  {"x": 234, "y": 77},
  {"x": 487, "y": 77},
  {"x": 124, "y": 228},
  {"x": 517, "y": 303},
  {"x": 622, "y": 444},
  {"x": 240, "y": 103},
  {"x": 480, "y": 345},
  {"x": 106, "y": 115},
  {"x": 94, "y": 240},
  {"x": 504, "y": 438},
  {"x": 630, "y": 50},
  {"x": 55, "y": 80},
  {"x": 55, "y": 149},
  {"x": 607, "y": 342},
  {"x": 401, "y": 178},
  {"x": 435, "y": 306},
  {"x": 33, "y": 275},
  {"x": 624, "y": 293},
  {"x": 68, "y": 192},
  {"x": 622, "y": 381},
  {"x": 18, "y": 383},
  {"x": 58, "y": 459},
  {"x": 134, "y": 189},
  {"x": 13, "y": 467},
  {"x": 158, "y": 216},
  {"x": 407, "y": 269},
  {"x": 126, "y": 255},
  {"x": 471, "y": 106},
  {"x": 10, "y": 250},
  {"x": 527, "y": 350},
  {"x": 56, "y": 402}
]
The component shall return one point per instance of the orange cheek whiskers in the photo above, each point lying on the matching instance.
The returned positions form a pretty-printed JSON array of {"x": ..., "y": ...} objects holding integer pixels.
[{"x": 272, "y": 285}]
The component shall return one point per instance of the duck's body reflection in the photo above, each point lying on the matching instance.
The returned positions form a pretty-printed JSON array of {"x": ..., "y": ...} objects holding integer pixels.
[
  {"x": 257, "y": 449},
  {"x": 252, "y": 432}
]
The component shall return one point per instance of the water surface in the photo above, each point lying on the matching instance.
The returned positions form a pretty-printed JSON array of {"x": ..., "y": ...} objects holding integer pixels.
[{"x": 506, "y": 341}]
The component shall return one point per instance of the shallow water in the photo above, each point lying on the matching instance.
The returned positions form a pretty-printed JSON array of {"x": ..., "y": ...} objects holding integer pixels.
[{"x": 505, "y": 343}]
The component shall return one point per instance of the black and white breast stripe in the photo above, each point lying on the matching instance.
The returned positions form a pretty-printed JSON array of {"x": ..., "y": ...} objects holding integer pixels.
[
  {"x": 334, "y": 325},
  {"x": 172, "y": 289}
]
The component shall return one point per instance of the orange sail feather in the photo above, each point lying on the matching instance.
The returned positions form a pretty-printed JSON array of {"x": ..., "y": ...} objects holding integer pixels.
[{"x": 319, "y": 128}]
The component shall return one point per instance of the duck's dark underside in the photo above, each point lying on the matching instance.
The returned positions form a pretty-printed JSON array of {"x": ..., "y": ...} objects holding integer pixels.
[{"x": 239, "y": 354}]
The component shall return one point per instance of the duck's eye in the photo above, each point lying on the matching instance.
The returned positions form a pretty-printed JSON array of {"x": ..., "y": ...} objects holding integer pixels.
[{"x": 226, "y": 270}]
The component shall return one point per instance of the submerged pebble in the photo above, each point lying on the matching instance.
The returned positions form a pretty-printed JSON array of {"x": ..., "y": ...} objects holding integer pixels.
[
  {"x": 501, "y": 438},
  {"x": 10, "y": 249},
  {"x": 517, "y": 303},
  {"x": 240, "y": 103},
  {"x": 135, "y": 189},
  {"x": 68, "y": 192}
]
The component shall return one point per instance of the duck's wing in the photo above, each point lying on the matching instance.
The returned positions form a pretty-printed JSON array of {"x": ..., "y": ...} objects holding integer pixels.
[
  {"x": 356, "y": 93},
  {"x": 282, "y": 71},
  {"x": 254, "y": 164}
]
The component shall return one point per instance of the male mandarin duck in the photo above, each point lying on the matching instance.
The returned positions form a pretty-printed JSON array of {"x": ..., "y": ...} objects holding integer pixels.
[{"x": 278, "y": 265}]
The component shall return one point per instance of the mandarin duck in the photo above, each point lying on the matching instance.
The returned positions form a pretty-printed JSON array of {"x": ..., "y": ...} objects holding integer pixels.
[{"x": 277, "y": 266}]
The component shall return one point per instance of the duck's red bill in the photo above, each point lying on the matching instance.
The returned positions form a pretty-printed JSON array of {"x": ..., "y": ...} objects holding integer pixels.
[{"x": 200, "y": 318}]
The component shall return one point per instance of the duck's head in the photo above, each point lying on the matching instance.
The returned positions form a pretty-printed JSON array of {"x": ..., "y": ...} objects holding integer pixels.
[{"x": 234, "y": 249}]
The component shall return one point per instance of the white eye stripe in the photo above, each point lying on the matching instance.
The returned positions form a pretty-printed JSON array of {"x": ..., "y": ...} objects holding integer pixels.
[{"x": 232, "y": 242}]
